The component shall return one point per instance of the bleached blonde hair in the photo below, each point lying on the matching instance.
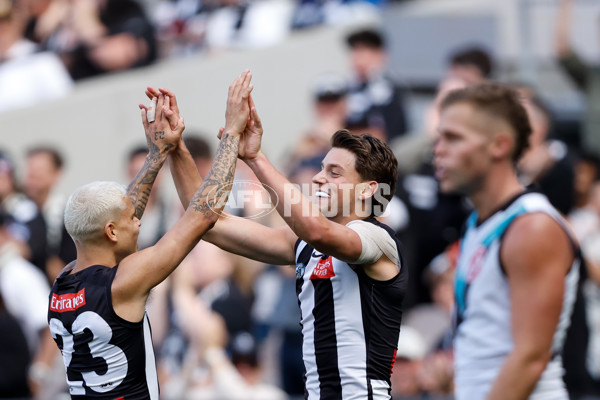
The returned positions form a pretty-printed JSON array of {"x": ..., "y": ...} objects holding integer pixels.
[{"x": 91, "y": 206}]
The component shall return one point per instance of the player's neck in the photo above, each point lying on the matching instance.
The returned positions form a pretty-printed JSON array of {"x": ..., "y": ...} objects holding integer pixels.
[
  {"x": 495, "y": 192},
  {"x": 92, "y": 254}
]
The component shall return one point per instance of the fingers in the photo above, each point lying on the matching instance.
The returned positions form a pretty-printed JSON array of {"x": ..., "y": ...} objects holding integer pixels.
[
  {"x": 180, "y": 124},
  {"x": 151, "y": 92},
  {"x": 168, "y": 112},
  {"x": 246, "y": 86},
  {"x": 240, "y": 85},
  {"x": 255, "y": 118},
  {"x": 144, "y": 115},
  {"x": 151, "y": 110},
  {"x": 159, "y": 107},
  {"x": 166, "y": 104},
  {"x": 171, "y": 95},
  {"x": 253, "y": 112}
]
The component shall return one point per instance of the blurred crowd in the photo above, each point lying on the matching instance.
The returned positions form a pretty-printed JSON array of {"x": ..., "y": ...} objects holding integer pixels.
[
  {"x": 46, "y": 45},
  {"x": 225, "y": 327}
]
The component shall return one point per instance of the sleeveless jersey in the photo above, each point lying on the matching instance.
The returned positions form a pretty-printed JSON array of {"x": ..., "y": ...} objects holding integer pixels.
[
  {"x": 483, "y": 332},
  {"x": 350, "y": 325},
  {"x": 105, "y": 356}
]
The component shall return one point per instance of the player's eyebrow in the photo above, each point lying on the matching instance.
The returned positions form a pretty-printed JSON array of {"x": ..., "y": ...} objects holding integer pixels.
[{"x": 332, "y": 166}]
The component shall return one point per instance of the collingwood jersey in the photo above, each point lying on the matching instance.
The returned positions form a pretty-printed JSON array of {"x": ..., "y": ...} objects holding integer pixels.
[
  {"x": 483, "y": 333},
  {"x": 350, "y": 325},
  {"x": 105, "y": 356}
]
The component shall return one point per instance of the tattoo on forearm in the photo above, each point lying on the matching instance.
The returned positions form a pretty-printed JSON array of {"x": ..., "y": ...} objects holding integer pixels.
[
  {"x": 212, "y": 194},
  {"x": 139, "y": 189}
]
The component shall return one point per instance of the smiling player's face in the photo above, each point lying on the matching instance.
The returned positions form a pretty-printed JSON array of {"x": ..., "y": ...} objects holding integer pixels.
[{"x": 336, "y": 183}]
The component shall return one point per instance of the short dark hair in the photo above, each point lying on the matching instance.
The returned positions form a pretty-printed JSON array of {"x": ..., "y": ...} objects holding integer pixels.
[
  {"x": 374, "y": 161},
  {"x": 498, "y": 101},
  {"x": 198, "y": 147},
  {"x": 476, "y": 57},
  {"x": 366, "y": 37},
  {"x": 55, "y": 156}
]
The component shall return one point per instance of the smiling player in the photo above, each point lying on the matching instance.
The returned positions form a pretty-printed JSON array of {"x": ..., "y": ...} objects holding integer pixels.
[{"x": 350, "y": 279}]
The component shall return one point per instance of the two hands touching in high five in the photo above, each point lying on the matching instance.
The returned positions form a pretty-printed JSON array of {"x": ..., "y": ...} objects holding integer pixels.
[{"x": 241, "y": 117}]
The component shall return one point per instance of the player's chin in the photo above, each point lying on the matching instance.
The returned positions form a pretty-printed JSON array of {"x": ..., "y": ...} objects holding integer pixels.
[{"x": 447, "y": 187}]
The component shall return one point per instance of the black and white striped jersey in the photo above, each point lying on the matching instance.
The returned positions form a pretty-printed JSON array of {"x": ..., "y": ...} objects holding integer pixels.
[
  {"x": 350, "y": 325},
  {"x": 105, "y": 356}
]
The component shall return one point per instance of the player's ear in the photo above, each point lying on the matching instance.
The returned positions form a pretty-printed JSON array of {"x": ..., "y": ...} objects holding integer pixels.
[
  {"x": 502, "y": 145},
  {"x": 110, "y": 230},
  {"x": 366, "y": 189}
]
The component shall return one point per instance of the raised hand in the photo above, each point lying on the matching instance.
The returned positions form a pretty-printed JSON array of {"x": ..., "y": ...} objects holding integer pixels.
[
  {"x": 163, "y": 134},
  {"x": 172, "y": 110},
  {"x": 161, "y": 141},
  {"x": 250, "y": 141},
  {"x": 238, "y": 109}
]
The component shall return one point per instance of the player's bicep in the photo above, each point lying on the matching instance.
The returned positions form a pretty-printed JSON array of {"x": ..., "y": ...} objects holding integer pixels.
[{"x": 536, "y": 255}]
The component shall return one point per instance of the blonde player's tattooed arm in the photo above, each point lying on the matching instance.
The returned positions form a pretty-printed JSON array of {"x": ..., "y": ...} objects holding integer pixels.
[
  {"x": 141, "y": 271},
  {"x": 139, "y": 189},
  {"x": 211, "y": 196},
  {"x": 162, "y": 136}
]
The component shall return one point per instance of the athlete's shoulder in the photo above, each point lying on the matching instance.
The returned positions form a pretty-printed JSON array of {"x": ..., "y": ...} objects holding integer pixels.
[{"x": 532, "y": 238}]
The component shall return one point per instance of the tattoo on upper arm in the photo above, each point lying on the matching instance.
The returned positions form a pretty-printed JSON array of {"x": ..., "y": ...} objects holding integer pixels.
[
  {"x": 139, "y": 189},
  {"x": 212, "y": 194}
]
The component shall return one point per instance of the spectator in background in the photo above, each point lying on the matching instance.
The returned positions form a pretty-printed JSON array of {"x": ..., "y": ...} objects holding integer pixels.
[
  {"x": 44, "y": 167},
  {"x": 405, "y": 370},
  {"x": 471, "y": 64},
  {"x": 211, "y": 372},
  {"x": 14, "y": 357},
  {"x": 24, "y": 294},
  {"x": 585, "y": 77},
  {"x": 96, "y": 36},
  {"x": 201, "y": 152},
  {"x": 435, "y": 218},
  {"x": 248, "y": 24},
  {"x": 12, "y": 43},
  {"x": 181, "y": 26},
  {"x": 309, "y": 13},
  {"x": 587, "y": 171},
  {"x": 329, "y": 111},
  {"x": 373, "y": 96},
  {"x": 28, "y": 223},
  {"x": 546, "y": 163},
  {"x": 26, "y": 77},
  {"x": 582, "y": 358}
]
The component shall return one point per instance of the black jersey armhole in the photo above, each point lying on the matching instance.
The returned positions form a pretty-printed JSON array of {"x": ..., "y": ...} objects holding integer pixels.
[
  {"x": 304, "y": 256},
  {"x": 296, "y": 245}
]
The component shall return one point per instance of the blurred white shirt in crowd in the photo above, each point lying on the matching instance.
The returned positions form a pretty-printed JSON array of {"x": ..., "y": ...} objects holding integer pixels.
[{"x": 30, "y": 78}]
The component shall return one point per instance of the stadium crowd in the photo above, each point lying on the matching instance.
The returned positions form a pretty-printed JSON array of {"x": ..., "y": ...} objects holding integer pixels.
[{"x": 225, "y": 327}]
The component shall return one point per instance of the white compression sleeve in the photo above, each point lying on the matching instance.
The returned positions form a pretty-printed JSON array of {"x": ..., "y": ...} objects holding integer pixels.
[{"x": 375, "y": 242}]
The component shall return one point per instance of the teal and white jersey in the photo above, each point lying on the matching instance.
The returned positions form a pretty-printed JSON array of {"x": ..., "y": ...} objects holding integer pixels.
[{"x": 483, "y": 308}]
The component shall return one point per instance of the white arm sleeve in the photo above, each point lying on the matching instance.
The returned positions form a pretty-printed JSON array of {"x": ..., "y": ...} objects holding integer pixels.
[{"x": 376, "y": 241}]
